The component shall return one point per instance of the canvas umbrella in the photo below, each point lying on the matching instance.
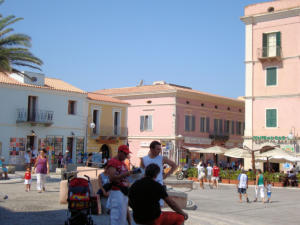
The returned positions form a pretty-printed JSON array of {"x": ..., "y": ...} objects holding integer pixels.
[
  {"x": 214, "y": 150},
  {"x": 239, "y": 153},
  {"x": 194, "y": 149}
]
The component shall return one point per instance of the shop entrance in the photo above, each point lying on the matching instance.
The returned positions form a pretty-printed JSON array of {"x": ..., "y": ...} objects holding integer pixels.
[
  {"x": 274, "y": 167},
  {"x": 31, "y": 142},
  {"x": 70, "y": 144},
  {"x": 105, "y": 151}
]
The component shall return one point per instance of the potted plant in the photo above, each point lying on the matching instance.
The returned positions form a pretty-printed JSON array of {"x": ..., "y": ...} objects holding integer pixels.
[
  {"x": 298, "y": 178},
  {"x": 192, "y": 174},
  {"x": 251, "y": 178},
  {"x": 224, "y": 176},
  {"x": 277, "y": 179},
  {"x": 234, "y": 176}
]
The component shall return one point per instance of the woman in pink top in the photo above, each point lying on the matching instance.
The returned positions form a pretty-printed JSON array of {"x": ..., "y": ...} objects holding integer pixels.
[{"x": 41, "y": 167}]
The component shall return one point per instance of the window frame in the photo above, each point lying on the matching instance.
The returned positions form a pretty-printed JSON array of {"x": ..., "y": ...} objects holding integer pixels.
[
  {"x": 191, "y": 125},
  {"x": 266, "y": 73},
  {"x": 120, "y": 121},
  {"x": 266, "y": 118},
  {"x": 144, "y": 122},
  {"x": 75, "y": 107}
]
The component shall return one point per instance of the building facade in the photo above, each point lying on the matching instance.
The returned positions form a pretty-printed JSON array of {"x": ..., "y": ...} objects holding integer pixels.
[
  {"x": 107, "y": 124},
  {"x": 179, "y": 117},
  {"x": 39, "y": 112},
  {"x": 272, "y": 75}
]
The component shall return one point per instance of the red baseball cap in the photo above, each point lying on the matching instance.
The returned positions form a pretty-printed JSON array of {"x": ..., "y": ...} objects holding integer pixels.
[{"x": 124, "y": 148}]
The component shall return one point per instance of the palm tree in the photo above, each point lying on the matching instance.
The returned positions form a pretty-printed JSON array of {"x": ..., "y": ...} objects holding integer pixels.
[{"x": 14, "y": 48}]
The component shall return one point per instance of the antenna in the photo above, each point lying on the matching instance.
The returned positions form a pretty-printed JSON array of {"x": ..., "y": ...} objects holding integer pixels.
[{"x": 141, "y": 83}]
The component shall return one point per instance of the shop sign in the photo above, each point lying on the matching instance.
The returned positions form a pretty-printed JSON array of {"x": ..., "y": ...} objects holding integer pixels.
[
  {"x": 270, "y": 138},
  {"x": 144, "y": 144},
  {"x": 288, "y": 148},
  {"x": 196, "y": 140},
  {"x": 286, "y": 165}
]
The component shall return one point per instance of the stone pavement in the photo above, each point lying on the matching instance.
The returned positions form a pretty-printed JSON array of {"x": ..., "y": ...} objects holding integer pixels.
[{"x": 213, "y": 206}]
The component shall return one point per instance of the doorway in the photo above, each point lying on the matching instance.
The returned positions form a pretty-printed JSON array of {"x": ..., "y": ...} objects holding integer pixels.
[
  {"x": 31, "y": 142},
  {"x": 105, "y": 151},
  {"x": 70, "y": 144}
]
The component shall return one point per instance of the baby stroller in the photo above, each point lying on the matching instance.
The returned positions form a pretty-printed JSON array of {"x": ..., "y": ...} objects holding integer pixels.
[{"x": 79, "y": 202}]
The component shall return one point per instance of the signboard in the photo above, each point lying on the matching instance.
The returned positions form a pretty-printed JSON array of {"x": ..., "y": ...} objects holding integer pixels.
[
  {"x": 197, "y": 140},
  {"x": 279, "y": 138},
  {"x": 288, "y": 148}
]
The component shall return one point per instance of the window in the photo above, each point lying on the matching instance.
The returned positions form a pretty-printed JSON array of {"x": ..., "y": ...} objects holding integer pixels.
[
  {"x": 272, "y": 44},
  {"x": 146, "y": 123},
  {"x": 232, "y": 127},
  {"x": 226, "y": 126},
  {"x": 215, "y": 126},
  {"x": 271, "y": 76},
  {"x": 96, "y": 121},
  {"x": 271, "y": 118},
  {"x": 190, "y": 123},
  {"x": 117, "y": 122},
  {"x": 220, "y": 126},
  {"x": 207, "y": 125},
  {"x": 71, "y": 107},
  {"x": 32, "y": 108},
  {"x": 238, "y": 127},
  {"x": 202, "y": 124}
]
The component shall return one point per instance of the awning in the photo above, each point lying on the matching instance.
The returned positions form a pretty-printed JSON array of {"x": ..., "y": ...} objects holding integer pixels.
[
  {"x": 212, "y": 150},
  {"x": 238, "y": 153}
]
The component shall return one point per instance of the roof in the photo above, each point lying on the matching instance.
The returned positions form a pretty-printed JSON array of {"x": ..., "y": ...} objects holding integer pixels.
[
  {"x": 105, "y": 98},
  {"x": 50, "y": 84},
  {"x": 126, "y": 91}
]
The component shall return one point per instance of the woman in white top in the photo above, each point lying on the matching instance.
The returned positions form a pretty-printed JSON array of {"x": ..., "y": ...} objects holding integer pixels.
[{"x": 201, "y": 173}]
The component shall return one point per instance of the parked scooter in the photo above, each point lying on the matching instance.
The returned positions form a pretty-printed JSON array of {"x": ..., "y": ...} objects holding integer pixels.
[{"x": 183, "y": 173}]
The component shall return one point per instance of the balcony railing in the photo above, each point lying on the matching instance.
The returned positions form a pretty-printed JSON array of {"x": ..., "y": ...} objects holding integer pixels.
[
  {"x": 35, "y": 117},
  {"x": 269, "y": 53},
  {"x": 109, "y": 131}
]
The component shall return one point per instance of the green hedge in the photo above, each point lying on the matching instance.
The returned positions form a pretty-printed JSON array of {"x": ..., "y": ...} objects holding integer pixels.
[{"x": 192, "y": 172}]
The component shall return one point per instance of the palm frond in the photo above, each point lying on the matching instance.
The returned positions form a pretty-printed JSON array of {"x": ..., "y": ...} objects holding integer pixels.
[
  {"x": 2, "y": 33},
  {"x": 6, "y": 21},
  {"x": 16, "y": 39}
]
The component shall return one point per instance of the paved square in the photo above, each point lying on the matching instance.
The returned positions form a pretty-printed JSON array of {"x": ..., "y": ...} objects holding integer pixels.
[{"x": 214, "y": 207}]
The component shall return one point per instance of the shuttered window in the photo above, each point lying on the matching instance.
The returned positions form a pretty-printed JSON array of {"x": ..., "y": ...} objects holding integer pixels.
[
  {"x": 146, "y": 123},
  {"x": 216, "y": 126},
  {"x": 232, "y": 127},
  {"x": 202, "y": 124},
  {"x": 190, "y": 123},
  {"x": 271, "y": 118},
  {"x": 271, "y": 44},
  {"x": 207, "y": 125},
  {"x": 271, "y": 76}
]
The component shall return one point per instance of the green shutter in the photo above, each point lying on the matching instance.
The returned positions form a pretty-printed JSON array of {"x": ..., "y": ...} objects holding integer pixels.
[
  {"x": 265, "y": 45},
  {"x": 271, "y": 119},
  {"x": 271, "y": 76},
  {"x": 187, "y": 123},
  {"x": 278, "y": 44}
]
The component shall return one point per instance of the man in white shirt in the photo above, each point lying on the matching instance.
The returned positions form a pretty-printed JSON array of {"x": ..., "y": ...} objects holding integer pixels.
[
  {"x": 209, "y": 174},
  {"x": 243, "y": 185}
]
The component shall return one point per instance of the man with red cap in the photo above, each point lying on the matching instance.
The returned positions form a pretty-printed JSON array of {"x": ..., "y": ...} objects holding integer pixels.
[{"x": 118, "y": 197}]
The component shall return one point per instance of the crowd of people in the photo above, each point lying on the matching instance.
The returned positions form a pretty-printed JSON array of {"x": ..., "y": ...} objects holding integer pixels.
[{"x": 145, "y": 196}]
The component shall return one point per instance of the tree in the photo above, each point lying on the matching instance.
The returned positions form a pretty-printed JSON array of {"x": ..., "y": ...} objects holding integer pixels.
[{"x": 14, "y": 47}]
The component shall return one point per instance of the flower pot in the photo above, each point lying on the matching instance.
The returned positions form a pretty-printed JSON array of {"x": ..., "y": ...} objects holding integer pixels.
[
  {"x": 234, "y": 181},
  {"x": 278, "y": 184},
  {"x": 225, "y": 181},
  {"x": 298, "y": 184},
  {"x": 190, "y": 178},
  {"x": 251, "y": 182},
  {"x": 195, "y": 179}
]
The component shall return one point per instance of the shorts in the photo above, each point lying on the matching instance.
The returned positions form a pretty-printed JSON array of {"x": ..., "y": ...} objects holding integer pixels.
[
  {"x": 208, "y": 177},
  {"x": 27, "y": 181},
  {"x": 215, "y": 178},
  {"x": 242, "y": 190},
  {"x": 269, "y": 194},
  {"x": 201, "y": 176},
  {"x": 167, "y": 218},
  {"x": 4, "y": 170}
]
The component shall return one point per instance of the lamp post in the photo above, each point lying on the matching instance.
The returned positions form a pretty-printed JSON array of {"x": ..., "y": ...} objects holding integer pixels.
[{"x": 292, "y": 136}]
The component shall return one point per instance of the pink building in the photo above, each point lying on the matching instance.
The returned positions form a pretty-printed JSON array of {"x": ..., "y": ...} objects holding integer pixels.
[
  {"x": 272, "y": 74},
  {"x": 179, "y": 117}
]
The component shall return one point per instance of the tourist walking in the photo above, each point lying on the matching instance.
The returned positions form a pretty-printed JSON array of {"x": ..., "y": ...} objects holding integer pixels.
[
  {"x": 118, "y": 196},
  {"x": 66, "y": 159},
  {"x": 242, "y": 185},
  {"x": 41, "y": 168},
  {"x": 27, "y": 179},
  {"x": 201, "y": 173},
  {"x": 209, "y": 174},
  {"x": 3, "y": 169},
  {"x": 89, "y": 161},
  {"x": 215, "y": 177},
  {"x": 27, "y": 157},
  {"x": 103, "y": 181},
  {"x": 144, "y": 199},
  {"x": 260, "y": 186}
]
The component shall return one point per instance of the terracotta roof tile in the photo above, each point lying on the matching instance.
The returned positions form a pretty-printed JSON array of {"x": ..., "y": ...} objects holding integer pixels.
[
  {"x": 105, "y": 98},
  {"x": 159, "y": 87},
  {"x": 50, "y": 83}
]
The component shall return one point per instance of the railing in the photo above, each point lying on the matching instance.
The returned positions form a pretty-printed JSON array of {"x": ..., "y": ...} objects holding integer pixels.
[
  {"x": 109, "y": 131},
  {"x": 37, "y": 116},
  {"x": 269, "y": 52}
]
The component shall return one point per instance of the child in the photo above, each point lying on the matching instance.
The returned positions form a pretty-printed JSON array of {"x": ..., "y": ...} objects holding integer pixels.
[
  {"x": 269, "y": 187},
  {"x": 27, "y": 178}
]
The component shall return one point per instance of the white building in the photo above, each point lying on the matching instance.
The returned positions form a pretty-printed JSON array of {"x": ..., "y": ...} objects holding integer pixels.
[{"x": 39, "y": 112}]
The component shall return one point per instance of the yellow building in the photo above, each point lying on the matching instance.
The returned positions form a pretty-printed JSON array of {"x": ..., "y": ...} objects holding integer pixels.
[{"x": 107, "y": 124}]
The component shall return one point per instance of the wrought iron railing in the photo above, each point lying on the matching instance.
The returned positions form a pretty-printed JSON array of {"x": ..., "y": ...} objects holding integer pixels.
[
  {"x": 269, "y": 52},
  {"x": 37, "y": 116}
]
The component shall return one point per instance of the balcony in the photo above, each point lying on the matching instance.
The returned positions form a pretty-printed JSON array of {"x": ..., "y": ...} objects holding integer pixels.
[
  {"x": 37, "y": 117},
  {"x": 269, "y": 54},
  {"x": 109, "y": 132}
]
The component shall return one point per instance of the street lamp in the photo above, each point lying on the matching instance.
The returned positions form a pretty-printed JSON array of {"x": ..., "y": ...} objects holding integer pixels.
[
  {"x": 179, "y": 139},
  {"x": 292, "y": 136}
]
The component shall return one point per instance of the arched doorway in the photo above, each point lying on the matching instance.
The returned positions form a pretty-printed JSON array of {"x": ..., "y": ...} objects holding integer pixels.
[{"x": 105, "y": 151}]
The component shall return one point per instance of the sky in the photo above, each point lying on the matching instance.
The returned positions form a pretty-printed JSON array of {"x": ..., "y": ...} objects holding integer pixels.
[{"x": 101, "y": 44}]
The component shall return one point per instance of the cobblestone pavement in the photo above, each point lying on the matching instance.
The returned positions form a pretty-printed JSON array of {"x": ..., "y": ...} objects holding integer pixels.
[{"x": 214, "y": 207}]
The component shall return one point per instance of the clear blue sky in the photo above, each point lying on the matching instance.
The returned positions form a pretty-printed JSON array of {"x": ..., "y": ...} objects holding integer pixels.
[{"x": 97, "y": 44}]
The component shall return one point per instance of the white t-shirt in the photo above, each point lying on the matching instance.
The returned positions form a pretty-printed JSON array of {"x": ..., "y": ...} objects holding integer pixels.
[
  {"x": 269, "y": 187},
  {"x": 243, "y": 178},
  {"x": 200, "y": 169},
  {"x": 209, "y": 170}
]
